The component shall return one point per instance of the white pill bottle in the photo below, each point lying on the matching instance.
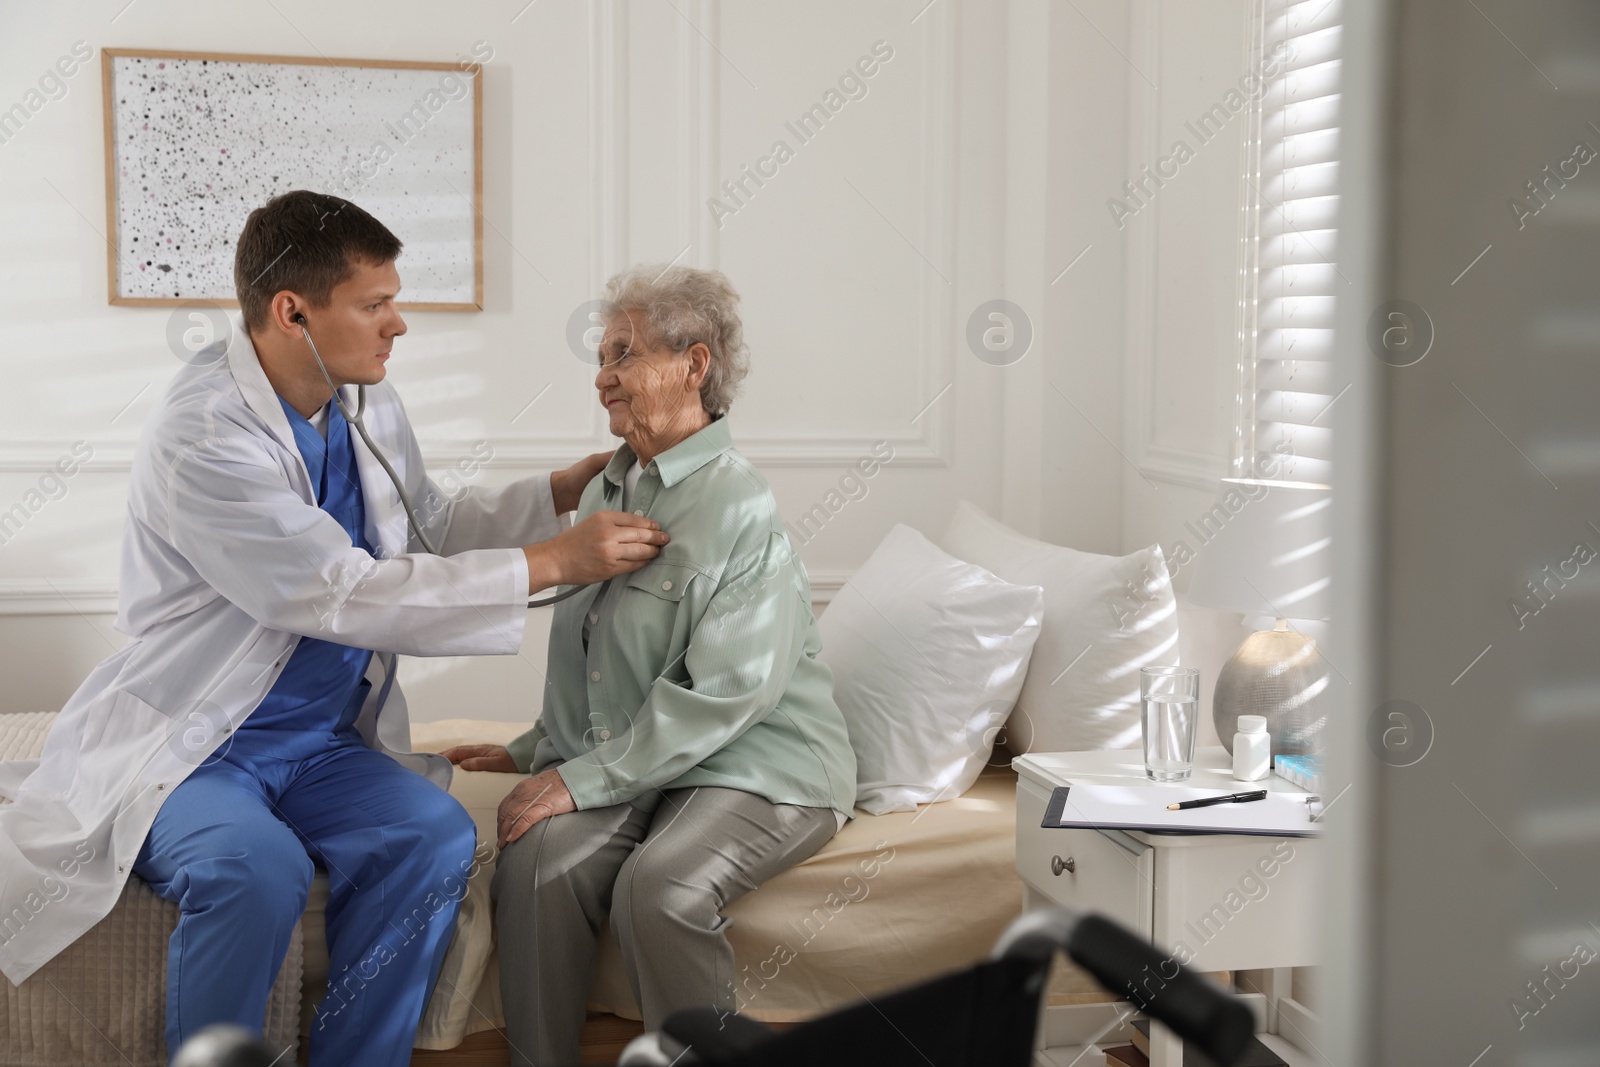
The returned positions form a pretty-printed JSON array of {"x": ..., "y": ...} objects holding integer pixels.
[{"x": 1252, "y": 749}]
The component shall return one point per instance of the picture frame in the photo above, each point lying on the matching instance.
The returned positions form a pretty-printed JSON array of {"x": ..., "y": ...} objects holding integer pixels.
[{"x": 195, "y": 141}]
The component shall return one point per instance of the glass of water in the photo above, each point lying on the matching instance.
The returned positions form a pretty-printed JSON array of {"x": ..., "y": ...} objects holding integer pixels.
[{"x": 1169, "y": 720}]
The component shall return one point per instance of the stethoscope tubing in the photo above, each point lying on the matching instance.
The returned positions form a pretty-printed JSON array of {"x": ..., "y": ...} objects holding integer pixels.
[{"x": 377, "y": 453}]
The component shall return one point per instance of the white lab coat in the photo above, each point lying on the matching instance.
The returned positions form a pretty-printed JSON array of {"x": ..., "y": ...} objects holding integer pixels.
[{"x": 226, "y": 561}]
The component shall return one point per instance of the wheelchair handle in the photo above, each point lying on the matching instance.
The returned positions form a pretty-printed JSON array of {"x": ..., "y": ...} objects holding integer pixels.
[{"x": 1128, "y": 965}]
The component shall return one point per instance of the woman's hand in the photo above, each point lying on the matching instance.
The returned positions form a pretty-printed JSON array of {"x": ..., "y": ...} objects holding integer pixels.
[
  {"x": 566, "y": 487},
  {"x": 539, "y": 797},
  {"x": 481, "y": 758}
]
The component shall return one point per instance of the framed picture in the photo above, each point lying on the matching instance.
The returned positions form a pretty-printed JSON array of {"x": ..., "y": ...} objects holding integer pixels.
[{"x": 195, "y": 141}]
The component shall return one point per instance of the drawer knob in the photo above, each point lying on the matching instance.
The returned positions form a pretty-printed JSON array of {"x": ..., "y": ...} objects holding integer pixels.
[{"x": 1057, "y": 865}]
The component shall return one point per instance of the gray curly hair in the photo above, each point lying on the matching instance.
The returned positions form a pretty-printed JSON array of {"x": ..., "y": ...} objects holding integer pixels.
[{"x": 682, "y": 305}]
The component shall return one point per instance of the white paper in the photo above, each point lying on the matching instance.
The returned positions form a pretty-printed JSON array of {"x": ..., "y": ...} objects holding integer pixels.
[{"x": 1143, "y": 807}]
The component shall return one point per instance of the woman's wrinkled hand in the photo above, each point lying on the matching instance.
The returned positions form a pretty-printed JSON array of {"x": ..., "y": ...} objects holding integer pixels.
[
  {"x": 539, "y": 797},
  {"x": 481, "y": 758}
]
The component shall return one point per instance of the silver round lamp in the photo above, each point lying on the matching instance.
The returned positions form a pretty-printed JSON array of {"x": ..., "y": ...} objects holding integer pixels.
[
  {"x": 1263, "y": 547},
  {"x": 1278, "y": 674}
]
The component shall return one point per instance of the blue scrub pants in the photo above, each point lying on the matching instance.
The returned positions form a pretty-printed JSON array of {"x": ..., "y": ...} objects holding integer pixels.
[{"x": 234, "y": 846}]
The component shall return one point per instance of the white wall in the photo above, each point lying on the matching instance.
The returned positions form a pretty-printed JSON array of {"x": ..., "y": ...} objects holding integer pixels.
[
  {"x": 975, "y": 168},
  {"x": 1182, "y": 278}
]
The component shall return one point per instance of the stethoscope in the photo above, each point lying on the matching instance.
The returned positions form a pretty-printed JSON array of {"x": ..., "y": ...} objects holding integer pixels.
[{"x": 405, "y": 500}]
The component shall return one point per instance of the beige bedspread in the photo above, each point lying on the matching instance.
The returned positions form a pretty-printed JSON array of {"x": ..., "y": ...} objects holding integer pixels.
[
  {"x": 103, "y": 1000},
  {"x": 891, "y": 899}
]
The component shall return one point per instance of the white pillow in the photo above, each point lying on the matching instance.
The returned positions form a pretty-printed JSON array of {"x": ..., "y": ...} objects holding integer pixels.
[
  {"x": 928, "y": 654},
  {"x": 1104, "y": 618}
]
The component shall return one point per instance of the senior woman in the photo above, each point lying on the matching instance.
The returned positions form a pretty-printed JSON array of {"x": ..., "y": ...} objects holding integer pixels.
[{"x": 690, "y": 747}]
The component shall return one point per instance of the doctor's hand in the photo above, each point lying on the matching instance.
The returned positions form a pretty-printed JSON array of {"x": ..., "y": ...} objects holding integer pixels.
[
  {"x": 481, "y": 758},
  {"x": 539, "y": 797},
  {"x": 604, "y": 545},
  {"x": 567, "y": 486}
]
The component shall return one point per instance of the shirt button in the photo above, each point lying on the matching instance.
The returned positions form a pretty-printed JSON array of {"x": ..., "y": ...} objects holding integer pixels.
[
  {"x": 666, "y": 586},
  {"x": 594, "y": 676},
  {"x": 638, "y": 511},
  {"x": 594, "y": 616}
]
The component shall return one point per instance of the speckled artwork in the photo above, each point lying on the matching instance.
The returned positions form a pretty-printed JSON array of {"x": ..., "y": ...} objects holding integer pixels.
[{"x": 201, "y": 143}]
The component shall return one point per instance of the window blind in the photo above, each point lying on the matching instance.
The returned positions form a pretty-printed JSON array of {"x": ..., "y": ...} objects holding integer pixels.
[{"x": 1290, "y": 274}]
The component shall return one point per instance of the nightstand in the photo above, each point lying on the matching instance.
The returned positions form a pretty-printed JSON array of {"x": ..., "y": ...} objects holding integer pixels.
[{"x": 1217, "y": 902}]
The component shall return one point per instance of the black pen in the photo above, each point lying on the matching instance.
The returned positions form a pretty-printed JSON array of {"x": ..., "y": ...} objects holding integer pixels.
[{"x": 1231, "y": 798}]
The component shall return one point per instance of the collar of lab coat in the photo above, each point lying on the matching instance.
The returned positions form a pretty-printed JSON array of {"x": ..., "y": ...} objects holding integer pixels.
[
  {"x": 386, "y": 527},
  {"x": 257, "y": 391}
]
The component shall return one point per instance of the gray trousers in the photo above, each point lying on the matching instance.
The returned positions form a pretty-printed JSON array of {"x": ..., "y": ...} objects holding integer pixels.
[{"x": 663, "y": 877}]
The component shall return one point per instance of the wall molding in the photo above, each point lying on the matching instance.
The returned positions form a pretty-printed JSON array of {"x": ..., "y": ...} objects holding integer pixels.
[
  {"x": 62, "y": 596},
  {"x": 1161, "y": 463},
  {"x": 940, "y": 165},
  {"x": 932, "y": 445},
  {"x": 700, "y": 125},
  {"x": 826, "y": 583},
  {"x": 1028, "y": 219},
  {"x": 608, "y": 140},
  {"x": 525, "y": 454},
  {"x": 116, "y": 457},
  {"x": 38, "y": 455}
]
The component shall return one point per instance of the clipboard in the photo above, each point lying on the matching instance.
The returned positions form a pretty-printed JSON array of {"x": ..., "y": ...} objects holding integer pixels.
[{"x": 1143, "y": 808}]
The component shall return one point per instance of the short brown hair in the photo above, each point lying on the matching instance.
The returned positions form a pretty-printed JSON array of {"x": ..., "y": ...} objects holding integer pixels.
[{"x": 306, "y": 243}]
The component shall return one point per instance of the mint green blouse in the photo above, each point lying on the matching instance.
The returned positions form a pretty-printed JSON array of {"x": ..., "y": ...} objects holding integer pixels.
[{"x": 701, "y": 667}]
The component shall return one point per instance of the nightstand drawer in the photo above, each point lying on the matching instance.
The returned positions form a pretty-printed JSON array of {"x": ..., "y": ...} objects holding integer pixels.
[{"x": 1096, "y": 873}]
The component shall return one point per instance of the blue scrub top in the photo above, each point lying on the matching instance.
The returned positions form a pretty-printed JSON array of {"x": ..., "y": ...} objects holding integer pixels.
[{"x": 315, "y": 701}]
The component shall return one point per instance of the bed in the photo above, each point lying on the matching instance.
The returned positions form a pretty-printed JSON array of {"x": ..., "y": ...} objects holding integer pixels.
[{"x": 889, "y": 900}]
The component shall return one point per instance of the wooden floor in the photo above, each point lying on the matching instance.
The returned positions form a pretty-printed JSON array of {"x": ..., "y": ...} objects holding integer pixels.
[{"x": 604, "y": 1038}]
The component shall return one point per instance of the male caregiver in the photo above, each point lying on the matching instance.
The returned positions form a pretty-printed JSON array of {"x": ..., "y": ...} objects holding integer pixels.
[{"x": 251, "y": 728}]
